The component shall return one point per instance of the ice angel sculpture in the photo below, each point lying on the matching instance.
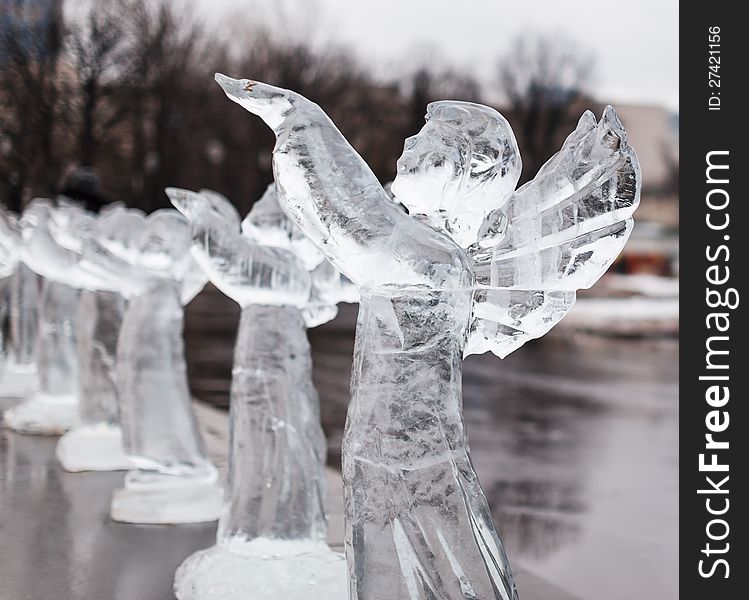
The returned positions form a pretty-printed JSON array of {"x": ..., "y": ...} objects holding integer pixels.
[
  {"x": 173, "y": 480},
  {"x": 476, "y": 265},
  {"x": 62, "y": 239},
  {"x": 52, "y": 408},
  {"x": 271, "y": 534}
]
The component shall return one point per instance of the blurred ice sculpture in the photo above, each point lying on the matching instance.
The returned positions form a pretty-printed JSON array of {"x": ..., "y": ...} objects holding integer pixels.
[
  {"x": 53, "y": 408},
  {"x": 19, "y": 297},
  {"x": 8, "y": 266},
  {"x": 271, "y": 534},
  {"x": 59, "y": 249},
  {"x": 476, "y": 265},
  {"x": 174, "y": 480}
]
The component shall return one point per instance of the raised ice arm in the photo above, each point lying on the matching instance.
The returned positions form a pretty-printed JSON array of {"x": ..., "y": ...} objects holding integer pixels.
[
  {"x": 558, "y": 233},
  {"x": 328, "y": 190},
  {"x": 241, "y": 269}
]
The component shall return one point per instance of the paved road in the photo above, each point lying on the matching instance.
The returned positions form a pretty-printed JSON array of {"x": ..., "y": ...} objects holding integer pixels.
[{"x": 57, "y": 542}]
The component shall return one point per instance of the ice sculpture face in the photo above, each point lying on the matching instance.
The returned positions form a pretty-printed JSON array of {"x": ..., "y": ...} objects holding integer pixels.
[{"x": 462, "y": 163}]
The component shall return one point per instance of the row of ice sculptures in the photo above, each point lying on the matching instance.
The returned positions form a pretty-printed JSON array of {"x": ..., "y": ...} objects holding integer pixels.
[{"x": 451, "y": 261}]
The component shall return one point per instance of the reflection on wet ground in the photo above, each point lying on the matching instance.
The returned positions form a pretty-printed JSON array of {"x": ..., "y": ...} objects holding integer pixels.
[{"x": 57, "y": 541}]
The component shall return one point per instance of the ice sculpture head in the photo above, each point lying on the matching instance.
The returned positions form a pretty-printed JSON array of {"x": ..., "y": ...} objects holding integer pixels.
[
  {"x": 269, "y": 103},
  {"x": 462, "y": 163}
]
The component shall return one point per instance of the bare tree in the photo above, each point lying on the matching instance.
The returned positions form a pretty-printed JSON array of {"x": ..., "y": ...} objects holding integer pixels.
[
  {"x": 30, "y": 103},
  {"x": 100, "y": 51},
  {"x": 545, "y": 80}
]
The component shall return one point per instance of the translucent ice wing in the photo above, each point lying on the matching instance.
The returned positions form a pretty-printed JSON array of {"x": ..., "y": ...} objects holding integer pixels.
[
  {"x": 238, "y": 267},
  {"x": 555, "y": 235}
]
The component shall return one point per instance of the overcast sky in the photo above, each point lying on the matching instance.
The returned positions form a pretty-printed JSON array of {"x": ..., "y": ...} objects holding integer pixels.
[{"x": 635, "y": 42}]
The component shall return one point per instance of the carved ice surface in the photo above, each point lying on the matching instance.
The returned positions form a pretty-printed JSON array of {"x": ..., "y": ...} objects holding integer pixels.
[
  {"x": 271, "y": 533},
  {"x": 52, "y": 408},
  {"x": 95, "y": 444},
  {"x": 19, "y": 313},
  {"x": 474, "y": 267},
  {"x": 174, "y": 480}
]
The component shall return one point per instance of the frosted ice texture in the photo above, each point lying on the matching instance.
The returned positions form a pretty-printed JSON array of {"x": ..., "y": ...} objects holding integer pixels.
[
  {"x": 475, "y": 267},
  {"x": 271, "y": 534},
  {"x": 99, "y": 319},
  {"x": 8, "y": 266},
  {"x": 57, "y": 364},
  {"x": 58, "y": 249},
  {"x": 24, "y": 316},
  {"x": 19, "y": 315},
  {"x": 55, "y": 239}
]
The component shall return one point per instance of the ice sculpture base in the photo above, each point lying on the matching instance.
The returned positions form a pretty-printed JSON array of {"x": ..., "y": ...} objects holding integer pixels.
[
  {"x": 17, "y": 381},
  {"x": 263, "y": 569},
  {"x": 43, "y": 414},
  {"x": 93, "y": 448},
  {"x": 155, "y": 498}
]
